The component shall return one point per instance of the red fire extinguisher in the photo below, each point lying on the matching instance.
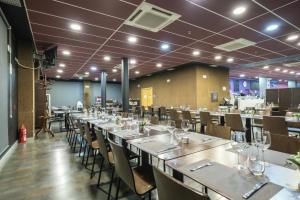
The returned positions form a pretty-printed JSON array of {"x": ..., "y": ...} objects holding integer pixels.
[{"x": 22, "y": 134}]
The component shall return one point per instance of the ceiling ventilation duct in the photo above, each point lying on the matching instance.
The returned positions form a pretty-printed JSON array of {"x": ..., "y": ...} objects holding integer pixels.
[
  {"x": 235, "y": 45},
  {"x": 151, "y": 17},
  {"x": 12, "y": 2}
]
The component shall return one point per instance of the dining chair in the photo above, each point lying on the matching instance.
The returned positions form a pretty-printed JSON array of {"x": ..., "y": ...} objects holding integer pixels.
[
  {"x": 154, "y": 120},
  {"x": 143, "y": 111},
  {"x": 124, "y": 114},
  {"x": 218, "y": 131},
  {"x": 174, "y": 114},
  {"x": 285, "y": 143},
  {"x": 194, "y": 121},
  {"x": 169, "y": 188},
  {"x": 150, "y": 110},
  {"x": 205, "y": 119},
  {"x": 275, "y": 125},
  {"x": 139, "y": 179},
  {"x": 163, "y": 113},
  {"x": 234, "y": 121}
]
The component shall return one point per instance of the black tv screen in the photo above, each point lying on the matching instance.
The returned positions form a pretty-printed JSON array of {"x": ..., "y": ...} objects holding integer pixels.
[{"x": 50, "y": 57}]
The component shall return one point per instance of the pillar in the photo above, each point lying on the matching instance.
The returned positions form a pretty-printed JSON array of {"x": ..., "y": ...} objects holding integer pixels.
[
  {"x": 86, "y": 94},
  {"x": 26, "y": 88},
  {"x": 125, "y": 84},
  {"x": 103, "y": 88},
  {"x": 264, "y": 83},
  {"x": 291, "y": 84}
]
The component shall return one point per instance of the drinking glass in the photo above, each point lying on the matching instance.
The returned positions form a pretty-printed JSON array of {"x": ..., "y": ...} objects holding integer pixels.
[
  {"x": 239, "y": 144},
  {"x": 171, "y": 126},
  {"x": 263, "y": 142},
  {"x": 255, "y": 157},
  {"x": 185, "y": 125}
]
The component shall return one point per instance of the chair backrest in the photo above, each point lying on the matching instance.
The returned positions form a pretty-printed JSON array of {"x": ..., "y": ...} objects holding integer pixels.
[
  {"x": 186, "y": 115},
  {"x": 275, "y": 125},
  {"x": 102, "y": 145},
  {"x": 218, "y": 131},
  {"x": 284, "y": 143},
  {"x": 178, "y": 123},
  {"x": 154, "y": 120},
  {"x": 234, "y": 121},
  {"x": 174, "y": 114},
  {"x": 205, "y": 118},
  {"x": 122, "y": 165},
  {"x": 170, "y": 188},
  {"x": 163, "y": 110},
  {"x": 88, "y": 133},
  {"x": 124, "y": 114}
]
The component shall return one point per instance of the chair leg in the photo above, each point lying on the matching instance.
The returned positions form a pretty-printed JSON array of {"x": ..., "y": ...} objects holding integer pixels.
[
  {"x": 88, "y": 155},
  {"x": 76, "y": 136},
  {"x": 111, "y": 182},
  {"x": 101, "y": 166},
  {"x": 80, "y": 147},
  {"x": 93, "y": 166},
  {"x": 149, "y": 195},
  {"x": 84, "y": 150},
  {"x": 118, "y": 188}
]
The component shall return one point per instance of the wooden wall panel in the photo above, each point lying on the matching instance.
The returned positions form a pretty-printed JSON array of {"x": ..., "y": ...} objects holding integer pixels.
[
  {"x": 285, "y": 98},
  {"x": 296, "y": 97},
  {"x": 272, "y": 96}
]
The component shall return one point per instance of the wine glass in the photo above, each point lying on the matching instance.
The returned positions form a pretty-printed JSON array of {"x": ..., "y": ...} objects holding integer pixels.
[
  {"x": 263, "y": 142},
  {"x": 171, "y": 126},
  {"x": 185, "y": 125},
  {"x": 239, "y": 144}
]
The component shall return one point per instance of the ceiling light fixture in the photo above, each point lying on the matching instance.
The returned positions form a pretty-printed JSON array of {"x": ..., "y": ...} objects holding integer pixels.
[
  {"x": 106, "y": 58},
  {"x": 60, "y": 71},
  {"x": 230, "y": 60},
  {"x": 96, "y": 79},
  {"x": 196, "y": 53},
  {"x": 87, "y": 73},
  {"x": 292, "y": 72},
  {"x": 75, "y": 27},
  {"x": 292, "y": 37},
  {"x": 218, "y": 57},
  {"x": 62, "y": 65},
  {"x": 114, "y": 80},
  {"x": 66, "y": 52},
  {"x": 242, "y": 75},
  {"x": 158, "y": 65},
  {"x": 80, "y": 77},
  {"x": 266, "y": 67},
  {"x": 137, "y": 72},
  {"x": 114, "y": 70},
  {"x": 93, "y": 68},
  {"x": 277, "y": 69},
  {"x": 280, "y": 80},
  {"x": 57, "y": 76},
  {"x": 239, "y": 10},
  {"x": 272, "y": 27},
  {"x": 132, "y": 61},
  {"x": 132, "y": 39},
  {"x": 298, "y": 73},
  {"x": 285, "y": 71},
  {"x": 165, "y": 46},
  {"x": 256, "y": 77}
]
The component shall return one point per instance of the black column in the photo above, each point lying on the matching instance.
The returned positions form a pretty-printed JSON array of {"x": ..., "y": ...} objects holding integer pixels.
[
  {"x": 125, "y": 85},
  {"x": 103, "y": 89}
]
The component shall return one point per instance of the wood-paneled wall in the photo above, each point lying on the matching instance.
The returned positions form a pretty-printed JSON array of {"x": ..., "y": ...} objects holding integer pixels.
[{"x": 184, "y": 86}]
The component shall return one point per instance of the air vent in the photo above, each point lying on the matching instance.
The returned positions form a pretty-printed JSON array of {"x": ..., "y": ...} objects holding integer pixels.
[
  {"x": 294, "y": 64},
  {"x": 235, "y": 45},
  {"x": 151, "y": 17},
  {"x": 12, "y": 2}
]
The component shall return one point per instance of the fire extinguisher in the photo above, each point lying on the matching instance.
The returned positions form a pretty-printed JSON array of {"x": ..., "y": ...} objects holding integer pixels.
[{"x": 22, "y": 134}]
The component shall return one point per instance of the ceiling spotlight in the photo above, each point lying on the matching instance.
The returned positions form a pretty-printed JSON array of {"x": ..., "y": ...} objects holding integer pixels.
[
  {"x": 132, "y": 39},
  {"x": 230, "y": 60},
  {"x": 298, "y": 73},
  {"x": 114, "y": 70},
  {"x": 256, "y": 77},
  {"x": 93, "y": 68},
  {"x": 280, "y": 80},
  {"x": 242, "y": 75},
  {"x": 292, "y": 72},
  {"x": 158, "y": 65},
  {"x": 292, "y": 37},
  {"x": 114, "y": 80},
  {"x": 60, "y": 71},
  {"x": 86, "y": 73},
  {"x": 80, "y": 77},
  {"x": 196, "y": 53},
  {"x": 266, "y": 67},
  {"x": 96, "y": 79},
  {"x": 137, "y": 72},
  {"x": 75, "y": 27},
  {"x": 218, "y": 57},
  {"x": 165, "y": 46},
  {"x": 285, "y": 71},
  {"x": 57, "y": 76},
  {"x": 106, "y": 58},
  {"x": 132, "y": 61},
  {"x": 239, "y": 10},
  {"x": 62, "y": 65},
  {"x": 277, "y": 69},
  {"x": 298, "y": 44},
  {"x": 66, "y": 52},
  {"x": 272, "y": 27}
]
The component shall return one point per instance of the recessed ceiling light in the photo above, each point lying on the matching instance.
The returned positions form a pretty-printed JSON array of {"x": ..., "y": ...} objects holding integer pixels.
[
  {"x": 137, "y": 72},
  {"x": 277, "y": 69},
  {"x": 86, "y": 73},
  {"x": 60, "y": 71},
  {"x": 242, "y": 75},
  {"x": 165, "y": 46},
  {"x": 132, "y": 39},
  {"x": 114, "y": 80},
  {"x": 80, "y": 77},
  {"x": 256, "y": 77},
  {"x": 280, "y": 80},
  {"x": 66, "y": 52},
  {"x": 285, "y": 71},
  {"x": 75, "y": 27},
  {"x": 285, "y": 81},
  {"x": 213, "y": 65},
  {"x": 57, "y": 76},
  {"x": 93, "y": 68},
  {"x": 158, "y": 65},
  {"x": 239, "y": 10},
  {"x": 292, "y": 37},
  {"x": 96, "y": 79},
  {"x": 149, "y": 75},
  {"x": 132, "y": 61},
  {"x": 218, "y": 57},
  {"x": 106, "y": 58},
  {"x": 170, "y": 69},
  {"x": 298, "y": 73},
  {"x": 114, "y": 70},
  {"x": 196, "y": 53},
  {"x": 298, "y": 44},
  {"x": 272, "y": 27},
  {"x": 266, "y": 67},
  {"x": 230, "y": 60},
  {"x": 292, "y": 72},
  {"x": 62, "y": 65}
]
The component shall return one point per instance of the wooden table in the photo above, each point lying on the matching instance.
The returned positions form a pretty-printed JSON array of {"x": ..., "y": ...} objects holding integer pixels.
[{"x": 276, "y": 173}]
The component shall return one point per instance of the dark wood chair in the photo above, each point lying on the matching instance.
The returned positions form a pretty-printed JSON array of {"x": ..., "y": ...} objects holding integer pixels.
[
  {"x": 284, "y": 143},
  {"x": 275, "y": 125}
]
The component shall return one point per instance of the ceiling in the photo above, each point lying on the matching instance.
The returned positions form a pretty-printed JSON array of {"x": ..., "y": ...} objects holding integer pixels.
[{"x": 203, "y": 25}]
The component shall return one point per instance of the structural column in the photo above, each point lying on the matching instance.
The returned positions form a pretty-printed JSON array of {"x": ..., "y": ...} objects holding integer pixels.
[
  {"x": 86, "y": 94},
  {"x": 125, "y": 84},
  {"x": 103, "y": 88},
  {"x": 264, "y": 83}
]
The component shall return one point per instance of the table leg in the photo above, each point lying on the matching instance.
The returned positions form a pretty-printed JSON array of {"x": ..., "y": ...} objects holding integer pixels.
[
  {"x": 248, "y": 130},
  {"x": 222, "y": 120},
  {"x": 178, "y": 175}
]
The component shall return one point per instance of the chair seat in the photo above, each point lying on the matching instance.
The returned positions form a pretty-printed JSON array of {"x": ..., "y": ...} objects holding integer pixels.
[
  {"x": 144, "y": 180},
  {"x": 95, "y": 144},
  {"x": 111, "y": 158}
]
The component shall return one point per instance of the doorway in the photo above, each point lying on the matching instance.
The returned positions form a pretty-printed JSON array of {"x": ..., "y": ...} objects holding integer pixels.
[{"x": 147, "y": 96}]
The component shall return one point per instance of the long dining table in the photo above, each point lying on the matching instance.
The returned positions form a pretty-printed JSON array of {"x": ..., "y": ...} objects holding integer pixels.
[{"x": 221, "y": 176}]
